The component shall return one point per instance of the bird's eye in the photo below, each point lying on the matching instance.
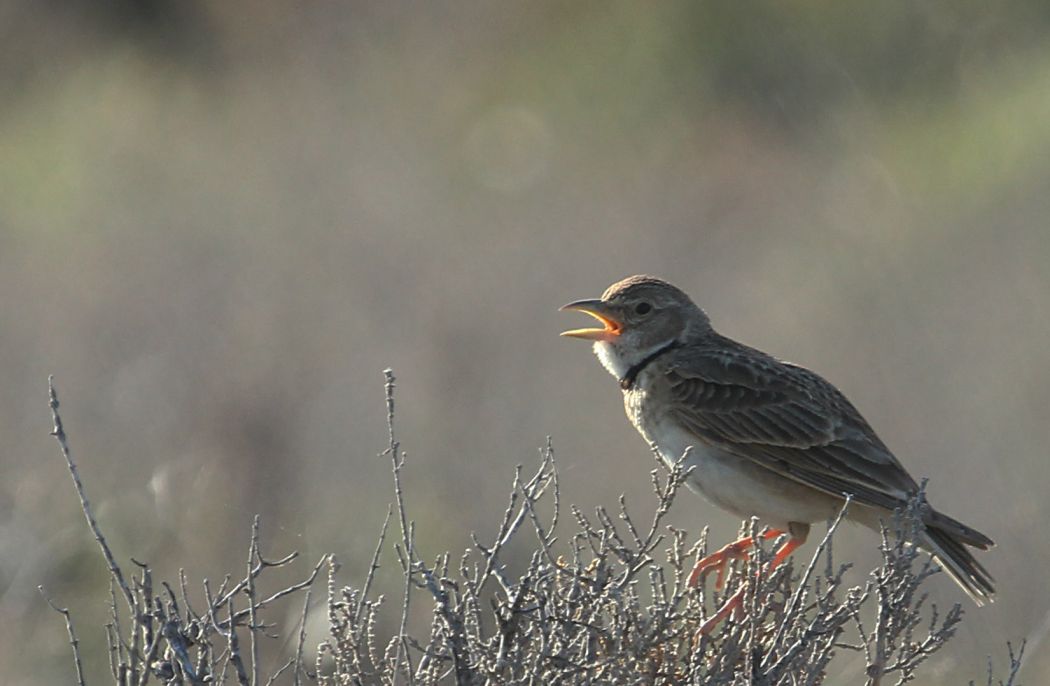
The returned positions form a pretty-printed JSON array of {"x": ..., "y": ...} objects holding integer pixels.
[{"x": 642, "y": 308}]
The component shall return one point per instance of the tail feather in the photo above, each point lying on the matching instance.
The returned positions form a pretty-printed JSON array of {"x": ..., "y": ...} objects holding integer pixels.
[
  {"x": 948, "y": 545},
  {"x": 957, "y": 530}
]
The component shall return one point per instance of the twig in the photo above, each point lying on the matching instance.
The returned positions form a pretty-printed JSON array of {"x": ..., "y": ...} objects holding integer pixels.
[
  {"x": 374, "y": 566},
  {"x": 253, "y": 553},
  {"x": 60, "y": 435},
  {"x": 223, "y": 595},
  {"x": 396, "y": 458},
  {"x": 302, "y": 639},
  {"x": 803, "y": 582},
  {"x": 397, "y": 462},
  {"x": 235, "y": 650},
  {"x": 288, "y": 590},
  {"x": 72, "y": 635},
  {"x": 1016, "y": 661},
  {"x": 273, "y": 677}
]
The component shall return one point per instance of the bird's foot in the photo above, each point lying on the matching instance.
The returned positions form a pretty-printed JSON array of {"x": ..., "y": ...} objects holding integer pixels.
[
  {"x": 718, "y": 560},
  {"x": 737, "y": 550}
]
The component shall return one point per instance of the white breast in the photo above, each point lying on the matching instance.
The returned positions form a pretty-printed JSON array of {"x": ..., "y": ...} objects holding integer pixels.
[
  {"x": 729, "y": 481},
  {"x": 660, "y": 429},
  {"x": 666, "y": 435}
]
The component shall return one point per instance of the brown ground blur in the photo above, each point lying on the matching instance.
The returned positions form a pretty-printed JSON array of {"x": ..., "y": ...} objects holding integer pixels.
[{"x": 219, "y": 221}]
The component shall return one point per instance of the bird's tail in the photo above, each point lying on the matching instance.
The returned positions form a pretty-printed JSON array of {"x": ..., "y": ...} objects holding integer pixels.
[{"x": 948, "y": 539}]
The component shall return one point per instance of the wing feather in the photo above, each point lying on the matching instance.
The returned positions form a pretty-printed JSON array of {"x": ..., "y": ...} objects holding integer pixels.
[{"x": 785, "y": 418}]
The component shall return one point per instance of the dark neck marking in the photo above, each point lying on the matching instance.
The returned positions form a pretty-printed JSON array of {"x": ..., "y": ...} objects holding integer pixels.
[{"x": 627, "y": 382}]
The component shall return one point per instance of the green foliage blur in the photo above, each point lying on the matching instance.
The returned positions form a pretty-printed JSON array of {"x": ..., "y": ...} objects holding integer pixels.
[{"x": 219, "y": 221}]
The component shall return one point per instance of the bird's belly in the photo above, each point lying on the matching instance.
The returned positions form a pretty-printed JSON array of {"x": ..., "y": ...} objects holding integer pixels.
[{"x": 737, "y": 484}]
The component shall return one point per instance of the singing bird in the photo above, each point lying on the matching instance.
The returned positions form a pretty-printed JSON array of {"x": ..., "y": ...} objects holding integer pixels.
[{"x": 766, "y": 438}]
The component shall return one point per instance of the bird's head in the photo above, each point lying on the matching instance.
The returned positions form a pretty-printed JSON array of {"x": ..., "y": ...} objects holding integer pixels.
[{"x": 639, "y": 316}]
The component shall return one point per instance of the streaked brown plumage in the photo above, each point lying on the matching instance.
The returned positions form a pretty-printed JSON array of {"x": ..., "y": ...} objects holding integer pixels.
[{"x": 766, "y": 437}]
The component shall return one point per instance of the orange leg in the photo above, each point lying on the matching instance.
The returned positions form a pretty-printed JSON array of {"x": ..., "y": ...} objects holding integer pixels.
[
  {"x": 734, "y": 605},
  {"x": 785, "y": 550},
  {"x": 719, "y": 560},
  {"x": 734, "y": 551}
]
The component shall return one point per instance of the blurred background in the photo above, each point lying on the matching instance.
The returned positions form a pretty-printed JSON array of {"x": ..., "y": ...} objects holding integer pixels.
[{"x": 220, "y": 221}]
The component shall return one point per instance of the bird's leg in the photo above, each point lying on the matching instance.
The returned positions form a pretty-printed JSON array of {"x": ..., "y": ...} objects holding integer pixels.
[
  {"x": 797, "y": 533},
  {"x": 735, "y": 605},
  {"x": 785, "y": 550},
  {"x": 734, "y": 551}
]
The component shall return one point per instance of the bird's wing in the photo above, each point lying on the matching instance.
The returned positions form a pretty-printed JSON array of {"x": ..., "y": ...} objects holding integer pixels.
[{"x": 785, "y": 418}]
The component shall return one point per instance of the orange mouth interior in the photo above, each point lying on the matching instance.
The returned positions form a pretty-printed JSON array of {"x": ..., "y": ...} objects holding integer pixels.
[{"x": 610, "y": 328}]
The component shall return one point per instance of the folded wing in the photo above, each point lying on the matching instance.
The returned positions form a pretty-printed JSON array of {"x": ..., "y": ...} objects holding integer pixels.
[{"x": 787, "y": 419}]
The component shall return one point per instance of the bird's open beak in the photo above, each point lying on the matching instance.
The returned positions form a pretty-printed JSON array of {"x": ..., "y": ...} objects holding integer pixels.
[{"x": 599, "y": 310}]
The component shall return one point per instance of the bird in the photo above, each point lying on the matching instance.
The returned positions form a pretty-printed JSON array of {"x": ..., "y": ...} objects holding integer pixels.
[{"x": 763, "y": 437}]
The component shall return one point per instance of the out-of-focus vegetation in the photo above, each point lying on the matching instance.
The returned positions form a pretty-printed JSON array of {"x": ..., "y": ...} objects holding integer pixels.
[{"x": 219, "y": 221}]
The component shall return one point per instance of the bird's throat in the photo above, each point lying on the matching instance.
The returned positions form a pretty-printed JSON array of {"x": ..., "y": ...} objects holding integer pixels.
[
  {"x": 610, "y": 358},
  {"x": 628, "y": 379},
  {"x": 625, "y": 372}
]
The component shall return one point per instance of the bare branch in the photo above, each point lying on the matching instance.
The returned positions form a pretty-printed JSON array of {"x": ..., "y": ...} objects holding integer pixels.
[
  {"x": 72, "y": 635},
  {"x": 60, "y": 435},
  {"x": 253, "y": 554}
]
